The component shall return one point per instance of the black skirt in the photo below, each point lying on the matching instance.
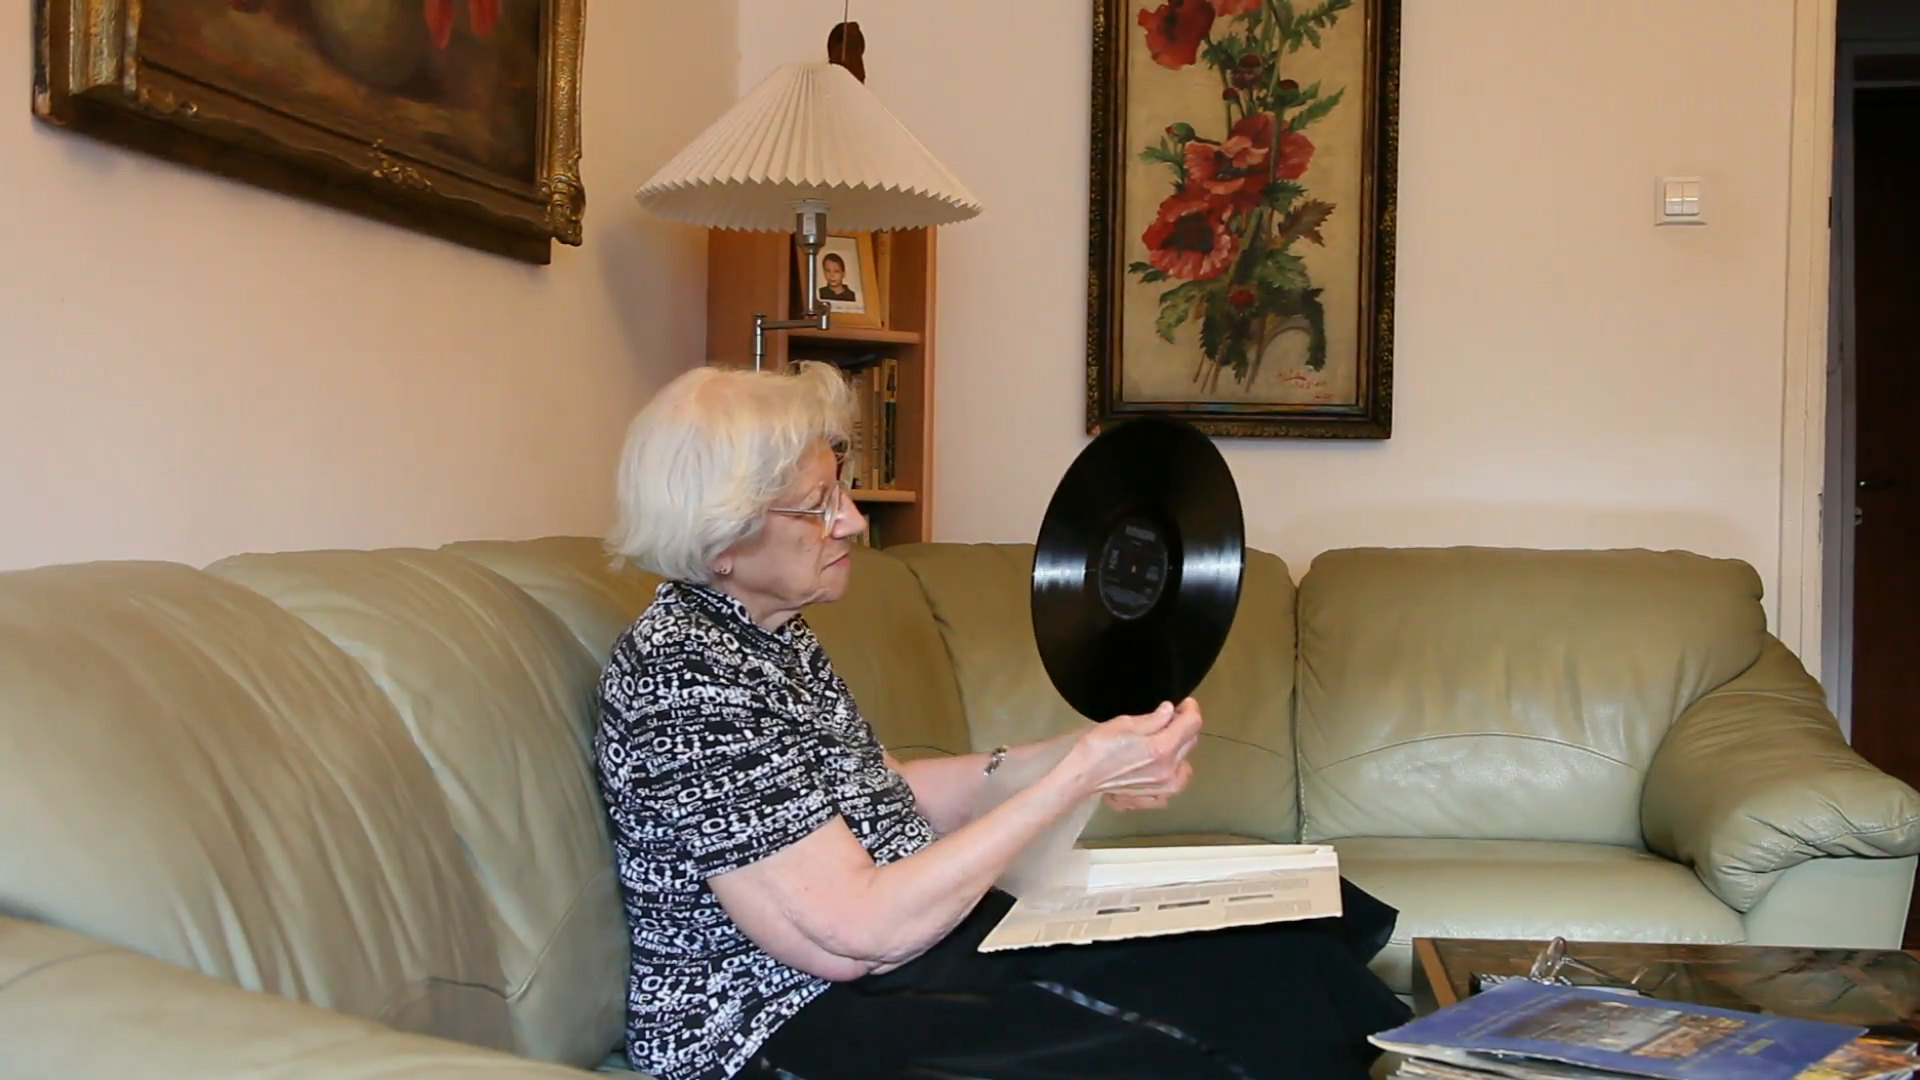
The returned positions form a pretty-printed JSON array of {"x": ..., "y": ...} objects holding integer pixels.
[{"x": 1293, "y": 1000}]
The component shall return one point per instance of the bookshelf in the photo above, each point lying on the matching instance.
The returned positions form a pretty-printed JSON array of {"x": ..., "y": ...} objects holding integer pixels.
[{"x": 750, "y": 272}]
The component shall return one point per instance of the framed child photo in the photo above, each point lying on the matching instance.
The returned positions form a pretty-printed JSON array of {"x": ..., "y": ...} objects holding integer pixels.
[
  {"x": 1241, "y": 236},
  {"x": 851, "y": 284}
]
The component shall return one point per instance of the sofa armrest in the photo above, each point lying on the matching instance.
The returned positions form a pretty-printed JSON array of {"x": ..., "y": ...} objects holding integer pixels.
[
  {"x": 72, "y": 1006},
  {"x": 1755, "y": 778},
  {"x": 1849, "y": 903}
]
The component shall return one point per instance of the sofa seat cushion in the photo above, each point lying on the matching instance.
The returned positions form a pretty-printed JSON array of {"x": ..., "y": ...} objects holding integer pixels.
[
  {"x": 1530, "y": 889},
  {"x": 75, "y": 1006}
]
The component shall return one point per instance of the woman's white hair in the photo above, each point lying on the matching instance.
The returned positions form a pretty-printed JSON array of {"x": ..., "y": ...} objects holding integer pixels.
[{"x": 707, "y": 457}]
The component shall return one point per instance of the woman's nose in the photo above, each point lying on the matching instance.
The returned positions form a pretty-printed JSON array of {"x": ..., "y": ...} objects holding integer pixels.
[{"x": 851, "y": 522}]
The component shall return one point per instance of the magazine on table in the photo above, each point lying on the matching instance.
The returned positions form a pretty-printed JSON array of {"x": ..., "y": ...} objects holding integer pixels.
[{"x": 1528, "y": 1030}]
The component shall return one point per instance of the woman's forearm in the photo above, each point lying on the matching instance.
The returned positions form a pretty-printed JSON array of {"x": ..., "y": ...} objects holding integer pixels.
[
  {"x": 948, "y": 789},
  {"x": 821, "y": 903},
  {"x": 908, "y": 905}
]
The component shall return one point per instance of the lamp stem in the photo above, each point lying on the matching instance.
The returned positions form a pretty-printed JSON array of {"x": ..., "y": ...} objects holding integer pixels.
[{"x": 810, "y": 232}]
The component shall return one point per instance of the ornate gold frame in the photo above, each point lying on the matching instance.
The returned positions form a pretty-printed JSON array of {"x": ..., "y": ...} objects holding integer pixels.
[
  {"x": 1372, "y": 417},
  {"x": 90, "y": 76}
]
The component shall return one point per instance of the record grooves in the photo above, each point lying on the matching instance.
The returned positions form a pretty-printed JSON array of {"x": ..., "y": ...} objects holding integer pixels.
[{"x": 1137, "y": 569}]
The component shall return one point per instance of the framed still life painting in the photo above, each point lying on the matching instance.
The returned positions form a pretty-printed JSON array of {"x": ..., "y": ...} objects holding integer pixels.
[
  {"x": 458, "y": 118},
  {"x": 1241, "y": 233}
]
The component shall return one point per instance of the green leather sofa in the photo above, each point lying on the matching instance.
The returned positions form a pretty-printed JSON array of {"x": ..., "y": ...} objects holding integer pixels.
[{"x": 331, "y": 814}]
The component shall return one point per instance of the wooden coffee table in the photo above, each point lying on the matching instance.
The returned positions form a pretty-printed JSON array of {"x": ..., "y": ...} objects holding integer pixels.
[{"x": 1877, "y": 989}]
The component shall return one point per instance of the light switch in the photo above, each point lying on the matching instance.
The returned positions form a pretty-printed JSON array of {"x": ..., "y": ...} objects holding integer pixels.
[{"x": 1679, "y": 201}]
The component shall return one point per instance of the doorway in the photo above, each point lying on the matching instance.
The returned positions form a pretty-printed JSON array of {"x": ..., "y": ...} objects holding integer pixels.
[{"x": 1872, "y": 511}]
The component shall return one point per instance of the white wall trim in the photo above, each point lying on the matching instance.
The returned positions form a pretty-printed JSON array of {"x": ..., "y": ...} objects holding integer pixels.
[{"x": 1803, "y": 442}]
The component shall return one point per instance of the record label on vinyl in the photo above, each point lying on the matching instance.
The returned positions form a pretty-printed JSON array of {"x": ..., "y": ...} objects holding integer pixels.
[
  {"x": 1133, "y": 568},
  {"x": 1137, "y": 569}
]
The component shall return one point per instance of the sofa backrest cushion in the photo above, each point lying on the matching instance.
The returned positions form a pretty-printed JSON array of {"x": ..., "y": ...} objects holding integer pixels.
[
  {"x": 880, "y": 635},
  {"x": 1482, "y": 694},
  {"x": 500, "y": 698},
  {"x": 1244, "y": 766},
  {"x": 190, "y": 772},
  {"x": 882, "y": 639},
  {"x": 575, "y": 578}
]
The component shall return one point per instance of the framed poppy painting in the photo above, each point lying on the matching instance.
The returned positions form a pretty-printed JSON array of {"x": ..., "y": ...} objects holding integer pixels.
[
  {"x": 1241, "y": 233},
  {"x": 458, "y": 118}
]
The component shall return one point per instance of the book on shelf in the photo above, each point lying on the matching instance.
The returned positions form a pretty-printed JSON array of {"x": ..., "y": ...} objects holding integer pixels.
[{"x": 1529, "y": 1030}]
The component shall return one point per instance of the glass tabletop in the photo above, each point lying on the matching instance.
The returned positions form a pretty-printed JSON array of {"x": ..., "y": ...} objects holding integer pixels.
[{"x": 1877, "y": 989}]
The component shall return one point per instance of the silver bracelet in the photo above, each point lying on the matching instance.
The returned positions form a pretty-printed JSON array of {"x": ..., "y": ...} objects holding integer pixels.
[{"x": 995, "y": 759}]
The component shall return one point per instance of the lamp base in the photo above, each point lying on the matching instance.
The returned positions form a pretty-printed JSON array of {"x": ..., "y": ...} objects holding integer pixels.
[{"x": 810, "y": 232}]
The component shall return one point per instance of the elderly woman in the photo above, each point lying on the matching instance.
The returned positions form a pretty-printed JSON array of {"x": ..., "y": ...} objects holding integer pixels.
[{"x": 804, "y": 905}]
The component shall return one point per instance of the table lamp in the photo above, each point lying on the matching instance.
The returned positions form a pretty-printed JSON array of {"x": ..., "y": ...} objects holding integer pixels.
[{"x": 809, "y": 139}]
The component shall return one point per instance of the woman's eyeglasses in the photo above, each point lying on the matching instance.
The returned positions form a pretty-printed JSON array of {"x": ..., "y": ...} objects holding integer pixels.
[
  {"x": 1549, "y": 965},
  {"x": 829, "y": 512}
]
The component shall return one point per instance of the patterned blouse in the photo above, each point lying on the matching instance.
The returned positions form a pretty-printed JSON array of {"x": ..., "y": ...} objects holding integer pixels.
[{"x": 719, "y": 744}]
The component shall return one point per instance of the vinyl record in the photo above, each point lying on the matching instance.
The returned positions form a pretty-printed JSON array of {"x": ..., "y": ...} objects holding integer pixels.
[{"x": 1137, "y": 569}]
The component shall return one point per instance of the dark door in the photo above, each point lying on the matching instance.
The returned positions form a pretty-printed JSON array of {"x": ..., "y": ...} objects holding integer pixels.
[{"x": 1886, "y": 582}]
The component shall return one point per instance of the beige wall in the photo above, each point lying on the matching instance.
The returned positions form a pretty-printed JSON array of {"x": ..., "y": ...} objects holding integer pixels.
[
  {"x": 190, "y": 367},
  {"x": 1566, "y": 374}
]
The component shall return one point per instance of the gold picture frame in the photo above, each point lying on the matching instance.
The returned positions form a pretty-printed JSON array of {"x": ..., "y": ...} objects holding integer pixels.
[
  {"x": 1241, "y": 237},
  {"x": 852, "y": 280},
  {"x": 455, "y": 118}
]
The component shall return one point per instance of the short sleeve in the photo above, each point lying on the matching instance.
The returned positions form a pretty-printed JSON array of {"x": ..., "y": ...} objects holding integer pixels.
[
  {"x": 733, "y": 779},
  {"x": 742, "y": 790}
]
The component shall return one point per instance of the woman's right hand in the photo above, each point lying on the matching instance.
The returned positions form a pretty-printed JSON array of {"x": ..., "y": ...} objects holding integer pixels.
[{"x": 1144, "y": 756}]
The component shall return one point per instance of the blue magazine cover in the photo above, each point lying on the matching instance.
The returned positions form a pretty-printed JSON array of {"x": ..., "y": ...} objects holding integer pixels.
[{"x": 1622, "y": 1033}]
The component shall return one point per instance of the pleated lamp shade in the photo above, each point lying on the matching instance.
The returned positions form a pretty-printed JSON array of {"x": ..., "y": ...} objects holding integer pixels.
[{"x": 809, "y": 131}]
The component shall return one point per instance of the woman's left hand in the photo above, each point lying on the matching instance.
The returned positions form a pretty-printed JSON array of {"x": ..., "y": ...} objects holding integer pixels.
[{"x": 1157, "y": 797}]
